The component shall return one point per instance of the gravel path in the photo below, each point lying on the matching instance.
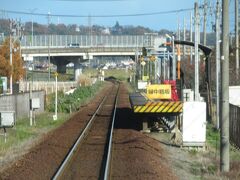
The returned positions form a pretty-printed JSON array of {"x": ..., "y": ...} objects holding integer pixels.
[{"x": 135, "y": 155}]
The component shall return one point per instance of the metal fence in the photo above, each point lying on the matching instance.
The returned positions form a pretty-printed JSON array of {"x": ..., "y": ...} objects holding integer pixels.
[
  {"x": 48, "y": 87},
  {"x": 87, "y": 41},
  {"x": 234, "y": 125}
]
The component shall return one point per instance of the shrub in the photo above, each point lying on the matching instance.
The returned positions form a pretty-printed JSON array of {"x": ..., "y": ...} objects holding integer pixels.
[{"x": 72, "y": 102}]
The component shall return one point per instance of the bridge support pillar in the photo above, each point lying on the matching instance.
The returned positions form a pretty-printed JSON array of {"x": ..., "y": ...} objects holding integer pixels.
[
  {"x": 61, "y": 63},
  {"x": 61, "y": 68},
  {"x": 77, "y": 70}
]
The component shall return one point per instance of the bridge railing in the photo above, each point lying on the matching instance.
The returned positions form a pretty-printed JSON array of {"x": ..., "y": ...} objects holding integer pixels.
[{"x": 60, "y": 41}]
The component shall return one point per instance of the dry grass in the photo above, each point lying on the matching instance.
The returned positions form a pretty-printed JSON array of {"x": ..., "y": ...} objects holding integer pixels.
[{"x": 84, "y": 80}]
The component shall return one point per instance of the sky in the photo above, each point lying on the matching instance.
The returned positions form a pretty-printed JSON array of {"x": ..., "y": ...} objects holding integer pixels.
[{"x": 91, "y": 8}]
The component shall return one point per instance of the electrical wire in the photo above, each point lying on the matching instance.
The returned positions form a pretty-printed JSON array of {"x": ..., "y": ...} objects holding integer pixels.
[
  {"x": 89, "y": 0},
  {"x": 96, "y": 16}
]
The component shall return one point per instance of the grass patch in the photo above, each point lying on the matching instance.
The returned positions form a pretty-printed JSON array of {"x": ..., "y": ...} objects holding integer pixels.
[
  {"x": 213, "y": 153},
  {"x": 196, "y": 169},
  {"x": 23, "y": 131},
  {"x": 212, "y": 168},
  {"x": 193, "y": 152},
  {"x": 213, "y": 137},
  {"x": 213, "y": 141},
  {"x": 234, "y": 154}
]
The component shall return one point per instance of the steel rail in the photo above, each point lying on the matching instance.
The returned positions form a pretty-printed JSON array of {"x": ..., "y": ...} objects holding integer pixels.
[
  {"x": 64, "y": 164},
  {"x": 109, "y": 154}
]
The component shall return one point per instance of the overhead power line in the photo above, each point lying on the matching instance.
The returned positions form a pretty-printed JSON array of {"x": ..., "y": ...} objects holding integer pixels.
[
  {"x": 96, "y": 16},
  {"x": 89, "y": 0}
]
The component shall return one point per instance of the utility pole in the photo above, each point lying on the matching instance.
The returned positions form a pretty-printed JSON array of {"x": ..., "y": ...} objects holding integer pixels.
[
  {"x": 32, "y": 31},
  {"x": 32, "y": 11},
  {"x": 205, "y": 23},
  {"x": 13, "y": 31},
  {"x": 191, "y": 38},
  {"x": 217, "y": 60},
  {"x": 56, "y": 101},
  {"x": 179, "y": 31},
  {"x": 164, "y": 65},
  {"x": 237, "y": 39},
  {"x": 90, "y": 29},
  {"x": 178, "y": 52},
  {"x": 49, "y": 61},
  {"x": 224, "y": 118},
  {"x": 30, "y": 98},
  {"x": 174, "y": 60},
  {"x": 184, "y": 36},
  {"x": 10, "y": 43},
  {"x": 196, "y": 42}
]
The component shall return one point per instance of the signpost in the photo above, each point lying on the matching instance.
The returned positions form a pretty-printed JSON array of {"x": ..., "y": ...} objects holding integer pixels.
[
  {"x": 7, "y": 120},
  {"x": 159, "y": 91},
  {"x": 35, "y": 105},
  {"x": 55, "y": 115}
]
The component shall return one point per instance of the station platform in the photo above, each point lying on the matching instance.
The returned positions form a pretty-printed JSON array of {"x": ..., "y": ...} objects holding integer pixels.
[{"x": 141, "y": 104}]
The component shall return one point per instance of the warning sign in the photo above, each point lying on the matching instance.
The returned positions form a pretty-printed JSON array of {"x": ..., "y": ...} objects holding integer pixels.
[{"x": 159, "y": 91}]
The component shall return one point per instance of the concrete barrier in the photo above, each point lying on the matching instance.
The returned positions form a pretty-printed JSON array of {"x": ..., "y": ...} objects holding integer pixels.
[{"x": 19, "y": 103}]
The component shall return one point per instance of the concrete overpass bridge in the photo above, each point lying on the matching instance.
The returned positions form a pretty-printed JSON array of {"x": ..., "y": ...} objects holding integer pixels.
[{"x": 63, "y": 49}]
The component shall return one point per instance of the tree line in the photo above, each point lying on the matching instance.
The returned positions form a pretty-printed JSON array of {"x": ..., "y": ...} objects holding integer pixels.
[{"x": 74, "y": 29}]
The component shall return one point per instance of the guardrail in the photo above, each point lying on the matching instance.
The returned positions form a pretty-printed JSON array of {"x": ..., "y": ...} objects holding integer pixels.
[{"x": 234, "y": 125}]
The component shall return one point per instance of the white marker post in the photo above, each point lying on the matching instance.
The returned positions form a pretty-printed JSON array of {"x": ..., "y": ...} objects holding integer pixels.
[{"x": 55, "y": 116}]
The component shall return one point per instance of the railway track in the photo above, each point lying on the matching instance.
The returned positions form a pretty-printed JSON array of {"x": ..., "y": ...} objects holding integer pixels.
[{"x": 90, "y": 156}]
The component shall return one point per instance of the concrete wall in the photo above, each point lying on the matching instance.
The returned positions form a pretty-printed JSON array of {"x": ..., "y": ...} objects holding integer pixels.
[{"x": 20, "y": 103}]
